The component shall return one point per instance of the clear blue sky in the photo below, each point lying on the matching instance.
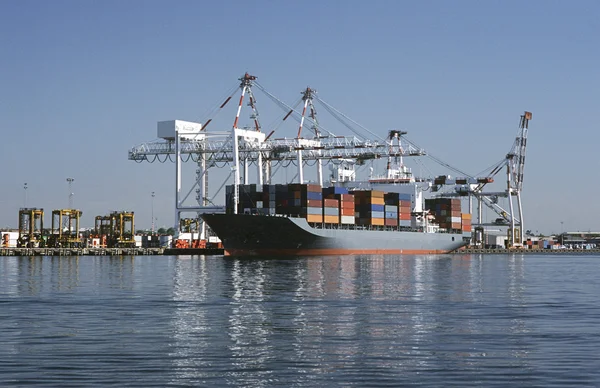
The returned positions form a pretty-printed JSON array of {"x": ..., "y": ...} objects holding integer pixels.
[{"x": 83, "y": 81}]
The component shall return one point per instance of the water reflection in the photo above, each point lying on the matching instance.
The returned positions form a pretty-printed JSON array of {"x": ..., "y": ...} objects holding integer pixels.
[
  {"x": 250, "y": 324},
  {"x": 214, "y": 321},
  {"x": 190, "y": 324}
]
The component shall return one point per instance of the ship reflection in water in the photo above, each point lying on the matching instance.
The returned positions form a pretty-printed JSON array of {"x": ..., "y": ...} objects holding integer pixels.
[{"x": 470, "y": 320}]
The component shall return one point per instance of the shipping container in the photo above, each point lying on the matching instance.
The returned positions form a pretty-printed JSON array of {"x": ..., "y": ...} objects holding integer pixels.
[
  {"x": 331, "y": 219},
  {"x": 334, "y": 191},
  {"x": 331, "y": 211},
  {"x": 347, "y": 219},
  {"x": 347, "y": 211},
  {"x": 331, "y": 203},
  {"x": 314, "y": 218},
  {"x": 391, "y": 216},
  {"x": 314, "y": 203}
]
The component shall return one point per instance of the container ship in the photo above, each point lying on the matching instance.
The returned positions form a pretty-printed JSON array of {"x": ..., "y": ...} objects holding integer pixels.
[{"x": 307, "y": 219}]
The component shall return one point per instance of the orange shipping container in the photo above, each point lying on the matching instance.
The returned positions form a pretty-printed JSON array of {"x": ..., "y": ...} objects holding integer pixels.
[
  {"x": 347, "y": 211},
  {"x": 404, "y": 216},
  {"x": 314, "y": 203},
  {"x": 377, "y": 221},
  {"x": 331, "y": 219},
  {"x": 466, "y": 216},
  {"x": 347, "y": 205},
  {"x": 314, "y": 218},
  {"x": 345, "y": 197}
]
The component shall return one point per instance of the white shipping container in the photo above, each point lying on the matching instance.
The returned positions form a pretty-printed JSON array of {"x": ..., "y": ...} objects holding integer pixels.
[
  {"x": 347, "y": 220},
  {"x": 214, "y": 239}
]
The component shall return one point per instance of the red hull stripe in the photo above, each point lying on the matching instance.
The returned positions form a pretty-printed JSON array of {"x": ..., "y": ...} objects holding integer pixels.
[{"x": 326, "y": 252}]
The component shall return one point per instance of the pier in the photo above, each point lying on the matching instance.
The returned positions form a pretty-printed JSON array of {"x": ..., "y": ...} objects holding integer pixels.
[
  {"x": 108, "y": 251},
  {"x": 527, "y": 251},
  {"x": 81, "y": 251}
]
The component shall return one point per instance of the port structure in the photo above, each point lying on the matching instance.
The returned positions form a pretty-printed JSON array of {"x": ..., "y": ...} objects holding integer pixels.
[
  {"x": 31, "y": 227},
  {"x": 514, "y": 165},
  {"x": 241, "y": 147},
  {"x": 65, "y": 229},
  {"x": 115, "y": 230}
]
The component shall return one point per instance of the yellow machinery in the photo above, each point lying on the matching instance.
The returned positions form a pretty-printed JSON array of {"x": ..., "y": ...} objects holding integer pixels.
[
  {"x": 116, "y": 230},
  {"x": 189, "y": 225},
  {"x": 31, "y": 227},
  {"x": 65, "y": 228}
]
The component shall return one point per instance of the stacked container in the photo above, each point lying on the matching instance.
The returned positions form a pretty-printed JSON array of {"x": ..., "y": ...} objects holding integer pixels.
[
  {"x": 446, "y": 211},
  {"x": 404, "y": 218},
  {"x": 282, "y": 197},
  {"x": 345, "y": 203},
  {"x": 331, "y": 211},
  {"x": 369, "y": 207},
  {"x": 269, "y": 197},
  {"x": 251, "y": 199},
  {"x": 307, "y": 201},
  {"x": 391, "y": 208},
  {"x": 466, "y": 222},
  {"x": 346, "y": 209}
]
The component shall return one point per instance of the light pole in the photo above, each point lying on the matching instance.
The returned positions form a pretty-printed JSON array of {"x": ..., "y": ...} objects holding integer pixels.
[
  {"x": 70, "y": 182},
  {"x": 153, "y": 212},
  {"x": 562, "y": 236},
  {"x": 25, "y": 194}
]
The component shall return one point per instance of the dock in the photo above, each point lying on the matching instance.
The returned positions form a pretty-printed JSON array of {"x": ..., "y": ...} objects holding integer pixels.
[
  {"x": 527, "y": 251},
  {"x": 219, "y": 251},
  {"x": 106, "y": 251}
]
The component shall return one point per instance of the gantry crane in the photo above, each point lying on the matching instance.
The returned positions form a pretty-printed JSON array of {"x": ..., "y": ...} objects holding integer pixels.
[
  {"x": 514, "y": 163},
  {"x": 243, "y": 146}
]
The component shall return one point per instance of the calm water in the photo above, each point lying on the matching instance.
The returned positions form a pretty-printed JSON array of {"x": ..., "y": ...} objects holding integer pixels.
[{"x": 336, "y": 321}]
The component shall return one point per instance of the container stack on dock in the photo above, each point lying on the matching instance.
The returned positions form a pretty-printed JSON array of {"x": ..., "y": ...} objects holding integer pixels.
[{"x": 369, "y": 207}]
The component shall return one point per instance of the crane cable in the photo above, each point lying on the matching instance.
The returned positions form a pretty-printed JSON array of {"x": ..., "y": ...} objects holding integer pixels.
[
  {"x": 349, "y": 119},
  {"x": 289, "y": 110}
]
